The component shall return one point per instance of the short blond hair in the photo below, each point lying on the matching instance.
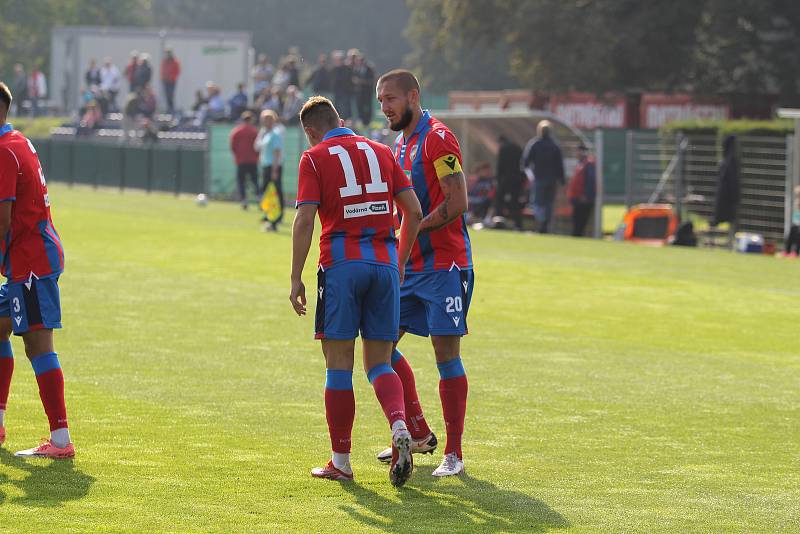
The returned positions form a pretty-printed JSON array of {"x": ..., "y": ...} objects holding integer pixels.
[
  {"x": 269, "y": 113},
  {"x": 320, "y": 114}
]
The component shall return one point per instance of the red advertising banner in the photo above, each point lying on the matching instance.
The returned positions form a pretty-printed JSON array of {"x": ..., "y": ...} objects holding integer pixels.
[
  {"x": 588, "y": 111},
  {"x": 658, "y": 109}
]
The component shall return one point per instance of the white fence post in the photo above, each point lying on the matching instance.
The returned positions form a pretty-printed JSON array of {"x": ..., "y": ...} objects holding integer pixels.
[{"x": 598, "y": 199}]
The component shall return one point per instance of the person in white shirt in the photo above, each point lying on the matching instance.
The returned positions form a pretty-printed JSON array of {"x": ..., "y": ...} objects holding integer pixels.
[{"x": 110, "y": 83}]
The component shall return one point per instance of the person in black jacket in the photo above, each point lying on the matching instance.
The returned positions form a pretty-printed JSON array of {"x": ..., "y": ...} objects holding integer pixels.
[
  {"x": 726, "y": 203},
  {"x": 543, "y": 163},
  {"x": 342, "y": 85},
  {"x": 510, "y": 181}
]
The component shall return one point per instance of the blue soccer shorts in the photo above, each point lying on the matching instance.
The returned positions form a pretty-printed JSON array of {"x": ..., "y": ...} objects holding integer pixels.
[
  {"x": 32, "y": 305},
  {"x": 358, "y": 296},
  {"x": 436, "y": 303}
]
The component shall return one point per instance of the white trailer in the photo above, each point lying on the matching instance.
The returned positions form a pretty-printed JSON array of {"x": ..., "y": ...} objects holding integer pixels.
[{"x": 221, "y": 57}]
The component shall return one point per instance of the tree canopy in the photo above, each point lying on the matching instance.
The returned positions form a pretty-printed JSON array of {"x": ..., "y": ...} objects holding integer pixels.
[{"x": 705, "y": 46}]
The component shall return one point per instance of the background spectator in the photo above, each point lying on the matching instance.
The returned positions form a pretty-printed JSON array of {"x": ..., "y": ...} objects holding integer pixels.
[
  {"x": 20, "y": 88},
  {"x": 292, "y": 105},
  {"x": 342, "y": 85},
  {"x": 200, "y": 101},
  {"x": 216, "y": 105},
  {"x": 320, "y": 80},
  {"x": 582, "y": 190},
  {"x": 110, "y": 82},
  {"x": 281, "y": 79},
  {"x": 271, "y": 101},
  {"x": 143, "y": 73},
  {"x": 510, "y": 181},
  {"x": 147, "y": 101},
  {"x": 792, "y": 243},
  {"x": 293, "y": 71},
  {"x": 91, "y": 119},
  {"x": 170, "y": 70},
  {"x": 92, "y": 75},
  {"x": 238, "y": 103},
  {"x": 149, "y": 131},
  {"x": 37, "y": 89},
  {"x": 269, "y": 144},
  {"x": 543, "y": 163},
  {"x": 481, "y": 191},
  {"x": 364, "y": 87},
  {"x": 130, "y": 71},
  {"x": 242, "y": 143},
  {"x": 262, "y": 74},
  {"x": 726, "y": 202}
]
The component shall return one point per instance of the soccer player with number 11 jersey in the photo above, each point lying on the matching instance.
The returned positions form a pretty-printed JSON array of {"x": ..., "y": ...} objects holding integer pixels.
[{"x": 353, "y": 184}]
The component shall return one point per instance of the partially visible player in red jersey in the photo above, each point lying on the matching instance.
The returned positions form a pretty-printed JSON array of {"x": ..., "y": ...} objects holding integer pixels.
[
  {"x": 436, "y": 293},
  {"x": 32, "y": 261},
  {"x": 353, "y": 183}
]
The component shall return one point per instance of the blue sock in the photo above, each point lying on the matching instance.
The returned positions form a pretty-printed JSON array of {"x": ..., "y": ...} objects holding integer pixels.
[
  {"x": 396, "y": 355},
  {"x": 451, "y": 369},
  {"x": 338, "y": 379},
  {"x": 378, "y": 370}
]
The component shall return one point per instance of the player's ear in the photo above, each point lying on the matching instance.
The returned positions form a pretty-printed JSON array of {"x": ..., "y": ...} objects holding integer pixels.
[
  {"x": 413, "y": 97},
  {"x": 341, "y": 123}
]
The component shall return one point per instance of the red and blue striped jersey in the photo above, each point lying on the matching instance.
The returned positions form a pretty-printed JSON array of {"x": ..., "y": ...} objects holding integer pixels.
[
  {"x": 429, "y": 154},
  {"x": 354, "y": 182},
  {"x": 32, "y": 246}
]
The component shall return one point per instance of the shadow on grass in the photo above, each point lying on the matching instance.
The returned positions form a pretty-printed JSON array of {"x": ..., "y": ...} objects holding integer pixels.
[
  {"x": 461, "y": 503},
  {"x": 49, "y": 482}
]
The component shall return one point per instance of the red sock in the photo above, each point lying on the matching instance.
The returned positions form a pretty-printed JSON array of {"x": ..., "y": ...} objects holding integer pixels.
[
  {"x": 6, "y": 370},
  {"x": 340, "y": 411},
  {"x": 389, "y": 391},
  {"x": 51, "y": 391},
  {"x": 416, "y": 421},
  {"x": 453, "y": 392}
]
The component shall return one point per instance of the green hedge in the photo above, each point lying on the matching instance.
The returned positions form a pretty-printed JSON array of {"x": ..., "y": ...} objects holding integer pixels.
[
  {"x": 37, "y": 128},
  {"x": 777, "y": 127}
]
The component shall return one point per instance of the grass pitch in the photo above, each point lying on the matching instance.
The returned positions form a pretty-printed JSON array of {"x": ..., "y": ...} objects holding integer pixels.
[{"x": 612, "y": 388}]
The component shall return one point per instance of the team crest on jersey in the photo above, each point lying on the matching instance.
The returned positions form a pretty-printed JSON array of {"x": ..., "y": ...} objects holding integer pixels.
[{"x": 413, "y": 153}]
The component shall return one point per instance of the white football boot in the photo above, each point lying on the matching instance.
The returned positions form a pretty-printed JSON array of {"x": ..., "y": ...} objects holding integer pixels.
[{"x": 451, "y": 465}]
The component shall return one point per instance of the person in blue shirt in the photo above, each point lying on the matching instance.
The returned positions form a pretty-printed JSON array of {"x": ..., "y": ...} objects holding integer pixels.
[
  {"x": 238, "y": 102},
  {"x": 269, "y": 144}
]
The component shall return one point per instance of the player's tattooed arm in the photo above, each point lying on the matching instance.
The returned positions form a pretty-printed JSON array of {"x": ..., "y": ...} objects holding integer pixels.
[{"x": 454, "y": 187}]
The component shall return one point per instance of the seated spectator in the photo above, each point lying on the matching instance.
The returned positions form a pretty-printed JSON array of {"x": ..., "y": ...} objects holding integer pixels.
[
  {"x": 149, "y": 131},
  {"x": 481, "y": 191},
  {"x": 292, "y": 106},
  {"x": 282, "y": 78},
  {"x": 273, "y": 102},
  {"x": 90, "y": 120},
  {"x": 147, "y": 101},
  {"x": 200, "y": 101},
  {"x": 237, "y": 103},
  {"x": 216, "y": 105}
]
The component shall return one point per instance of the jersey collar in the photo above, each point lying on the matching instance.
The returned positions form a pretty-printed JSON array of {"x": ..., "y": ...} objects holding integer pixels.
[
  {"x": 7, "y": 127},
  {"x": 336, "y": 132},
  {"x": 423, "y": 122}
]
